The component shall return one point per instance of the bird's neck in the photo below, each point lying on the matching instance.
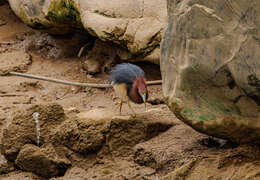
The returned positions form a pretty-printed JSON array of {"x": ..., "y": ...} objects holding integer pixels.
[{"x": 134, "y": 94}]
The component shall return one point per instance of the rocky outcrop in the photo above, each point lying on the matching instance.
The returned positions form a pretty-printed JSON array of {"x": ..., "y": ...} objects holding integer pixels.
[
  {"x": 92, "y": 130},
  {"x": 210, "y": 67},
  {"x": 98, "y": 131},
  {"x": 135, "y": 25}
]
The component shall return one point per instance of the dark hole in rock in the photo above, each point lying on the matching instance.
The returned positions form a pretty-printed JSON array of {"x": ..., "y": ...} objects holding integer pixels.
[
  {"x": 2, "y": 2},
  {"x": 152, "y": 71},
  {"x": 217, "y": 143}
]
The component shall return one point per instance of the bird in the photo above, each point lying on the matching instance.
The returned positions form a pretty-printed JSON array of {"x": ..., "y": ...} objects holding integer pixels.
[{"x": 129, "y": 83}]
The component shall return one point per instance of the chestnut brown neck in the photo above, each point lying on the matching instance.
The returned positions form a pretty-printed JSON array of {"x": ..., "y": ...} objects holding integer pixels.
[{"x": 134, "y": 94}]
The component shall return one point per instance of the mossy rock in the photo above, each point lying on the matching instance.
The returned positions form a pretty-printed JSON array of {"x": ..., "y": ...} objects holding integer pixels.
[{"x": 135, "y": 26}]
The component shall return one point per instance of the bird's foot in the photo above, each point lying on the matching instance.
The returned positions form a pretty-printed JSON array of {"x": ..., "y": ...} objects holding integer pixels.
[{"x": 133, "y": 115}]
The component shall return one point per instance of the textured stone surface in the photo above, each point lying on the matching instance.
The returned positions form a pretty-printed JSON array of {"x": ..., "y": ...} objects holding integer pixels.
[
  {"x": 170, "y": 149},
  {"x": 45, "y": 161},
  {"x": 19, "y": 175},
  {"x": 74, "y": 173},
  {"x": 22, "y": 129},
  {"x": 96, "y": 131},
  {"x": 85, "y": 133},
  {"x": 136, "y": 25},
  {"x": 239, "y": 163},
  {"x": 210, "y": 66},
  {"x": 5, "y": 166},
  {"x": 92, "y": 130},
  {"x": 126, "y": 132}
]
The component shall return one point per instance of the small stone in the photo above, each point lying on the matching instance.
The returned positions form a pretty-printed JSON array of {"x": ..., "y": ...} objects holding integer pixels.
[{"x": 5, "y": 166}]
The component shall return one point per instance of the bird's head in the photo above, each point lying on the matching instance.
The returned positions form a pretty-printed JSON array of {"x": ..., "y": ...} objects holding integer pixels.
[{"x": 142, "y": 88}]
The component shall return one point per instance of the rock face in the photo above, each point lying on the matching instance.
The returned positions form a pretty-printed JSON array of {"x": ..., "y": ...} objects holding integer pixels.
[
  {"x": 135, "y": 25},
  {"x": 210, "y": 66}
]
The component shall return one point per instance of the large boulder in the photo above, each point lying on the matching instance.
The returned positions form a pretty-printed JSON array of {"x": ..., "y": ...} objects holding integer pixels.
[
  {"x": 210, "y": 66},
  {"x": 135, "y": 25}
]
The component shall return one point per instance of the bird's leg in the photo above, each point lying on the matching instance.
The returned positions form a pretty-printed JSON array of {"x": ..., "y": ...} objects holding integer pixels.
[
  {"x": 134, "y": 114},
  {"x": 120, "y": 103}
]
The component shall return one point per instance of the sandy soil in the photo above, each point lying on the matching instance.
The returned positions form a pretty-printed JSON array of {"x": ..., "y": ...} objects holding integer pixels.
[{"x": 198, "y": 156}]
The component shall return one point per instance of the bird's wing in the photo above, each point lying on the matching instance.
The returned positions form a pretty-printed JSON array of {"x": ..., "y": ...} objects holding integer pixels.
[
  {"x": 136, "y": 70},
  {"x": 125, "y": 73}
]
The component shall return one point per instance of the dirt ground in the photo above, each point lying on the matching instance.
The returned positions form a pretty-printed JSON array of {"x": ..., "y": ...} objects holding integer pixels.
[{"x": 178, "y": 153}]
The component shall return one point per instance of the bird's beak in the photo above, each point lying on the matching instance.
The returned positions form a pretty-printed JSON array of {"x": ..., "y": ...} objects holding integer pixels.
[{"x": 144, "y": 99}]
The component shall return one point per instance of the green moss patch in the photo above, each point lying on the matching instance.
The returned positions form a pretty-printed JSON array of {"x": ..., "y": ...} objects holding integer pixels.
[
  {"x": 35, "y": 22},
  {"x": 65, "y": 12},
  {"x": 207, "y": 117}
]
